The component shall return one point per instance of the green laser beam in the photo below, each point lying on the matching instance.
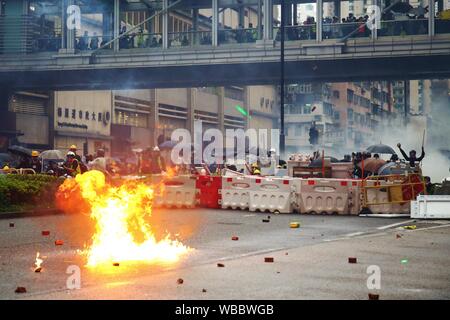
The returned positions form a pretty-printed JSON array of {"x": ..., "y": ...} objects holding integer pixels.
[{"x": 242, "y": 111}]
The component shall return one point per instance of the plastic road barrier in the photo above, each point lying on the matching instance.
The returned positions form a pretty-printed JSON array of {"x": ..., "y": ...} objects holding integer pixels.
[
  {"x": 268, "y": 194},
  {"x": 431, "y": 207},
  {"x": 329, "y": 196},
  {"x": 209, "y": 194},
  {"x": 235, "y": 192},
  {"x": 176, "y": 192}
]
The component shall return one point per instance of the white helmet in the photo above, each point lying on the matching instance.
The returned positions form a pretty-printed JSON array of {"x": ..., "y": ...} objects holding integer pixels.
[
  {"x": 70, "y": 154},
  {"x": 156, "y": 148}
]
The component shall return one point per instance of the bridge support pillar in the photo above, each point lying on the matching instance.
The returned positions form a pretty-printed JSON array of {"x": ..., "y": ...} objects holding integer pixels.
[
  {"x": 260, "y": 19},
  {"x": 221, "y": 108},
  {"x": 268, "y": 19},
  {"x": 319, "y": 18},
  {"x": 116, "y": 24},
  {"x": 215, "y": 22},
  {"x": 195, "y": 36},
  {"x": 337, "y": 9},
  {"x": 165, "y": 25},
  {"x": 191, "y": 103},
  {"x": 295, "y": 13},
  {"x": 431, "y": 17}
]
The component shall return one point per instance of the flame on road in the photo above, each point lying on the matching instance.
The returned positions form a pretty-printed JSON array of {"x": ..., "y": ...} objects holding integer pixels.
[
  {"x": 38, "y": 262},
  {"x": 122, "y": 233}
]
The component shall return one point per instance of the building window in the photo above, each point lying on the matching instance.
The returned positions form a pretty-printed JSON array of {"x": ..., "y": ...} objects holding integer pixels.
[
  {"x": 66, "y": 113},
  {"x": 59, "y": 112},
  {"x": 129, "y": 118}
]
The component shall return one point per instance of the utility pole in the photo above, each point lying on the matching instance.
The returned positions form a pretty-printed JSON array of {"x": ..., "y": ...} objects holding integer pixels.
[{"x": 282, "y": 133}]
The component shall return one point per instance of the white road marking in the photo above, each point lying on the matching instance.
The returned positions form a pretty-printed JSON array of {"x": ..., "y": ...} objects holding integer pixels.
[
  {"x": 394, "y": 225},
  {"x": 354, "y": 234}
]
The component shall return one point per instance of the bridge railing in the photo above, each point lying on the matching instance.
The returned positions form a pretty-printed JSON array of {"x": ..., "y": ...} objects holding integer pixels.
[
  {"x": 83, "y": 43},
  {"x": 403, "y": 27},
  {"x": 229, "y": 36},
  {"x": 189, "y": 38},
  {"x": 25, "y": 34},
  {"x": 442, "y": 26}
]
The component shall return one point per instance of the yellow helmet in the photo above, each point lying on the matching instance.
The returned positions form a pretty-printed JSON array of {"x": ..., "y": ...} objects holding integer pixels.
[
  {"x": 5, "y": 168},
  {"x": 34, "y": 153},
  {"x": 73, "y": 147},
  {"x": 254, "y": 165}
]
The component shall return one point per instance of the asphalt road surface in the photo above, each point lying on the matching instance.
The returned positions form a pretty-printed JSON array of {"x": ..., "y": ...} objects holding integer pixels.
[{"x": 310, "y": 262}]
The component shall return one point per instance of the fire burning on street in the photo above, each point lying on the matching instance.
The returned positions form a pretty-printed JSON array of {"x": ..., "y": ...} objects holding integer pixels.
[
  {"x": 122, "y": 233},
  {"x": 38, "y": 263}
]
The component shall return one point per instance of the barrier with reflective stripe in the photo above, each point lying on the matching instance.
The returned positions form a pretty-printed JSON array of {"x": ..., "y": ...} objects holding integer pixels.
[
  {"x": 329, "y": 196},
  {"x": 236, "y": 192},
  {"x": 209, "y": 194},
  {"x": 271, "y": 194}
]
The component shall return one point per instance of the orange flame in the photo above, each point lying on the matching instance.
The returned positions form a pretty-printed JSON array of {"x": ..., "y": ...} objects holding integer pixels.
[
  {"x": 38, "y": 262},
  {"x": 122, "y": 234}
]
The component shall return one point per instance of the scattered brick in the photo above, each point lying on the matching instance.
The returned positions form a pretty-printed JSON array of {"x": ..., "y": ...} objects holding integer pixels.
[
  {"x": 11, "y": 224},
  {"x": 373, "y": 296},
  {"x": 21, "y": 290},
  {"x": 180, "y": 281},
  {"x": 220, "y": 265},
  {"x": 116, "y": 264},
  {"x": 352, "y": 260},
  {"x": 234, "y": 238},
  {"x": 268, "y": 259},
  {"x": 45, "y": 233},
  {"x": 265, "y": 220},
  {"x": 59, "y": 243}
]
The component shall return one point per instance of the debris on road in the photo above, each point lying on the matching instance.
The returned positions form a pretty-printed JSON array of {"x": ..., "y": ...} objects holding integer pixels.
[
  {"x": 398, "y": 236},
  {"x": 404, "y": 261},
  {"x": 268, "y": 259},
  {"x": 45, "y": 233},
  {"x": 373, "y": 296},
  {"x": 220, "y": 265},
  {"x": 11, "y": 224},
  {"x": 265, "y": 220},
  {"x": 180, "y": 281},
  {"x": 295, "y": 225},
  {"x": 352, "y": 260},
  {"x": 234, "y": 238},
  {"x": 59, "y": 243},
  {"x": 21, "y": 290},
  {"x": 411, "y": 227}
]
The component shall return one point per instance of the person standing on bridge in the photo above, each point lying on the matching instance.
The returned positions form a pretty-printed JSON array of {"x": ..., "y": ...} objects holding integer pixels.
[{"x": 412, "y": 156}]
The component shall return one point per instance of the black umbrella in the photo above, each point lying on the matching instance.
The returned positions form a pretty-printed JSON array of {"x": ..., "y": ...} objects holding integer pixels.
[
  {"x": 401, "y": 7},
  {"x": 20, "y": 151},
  {"x": 381, "y": 149}
]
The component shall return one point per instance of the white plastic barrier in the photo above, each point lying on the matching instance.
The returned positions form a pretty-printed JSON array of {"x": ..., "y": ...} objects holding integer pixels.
[
  {"x": 329, "y": 196},
  {"x": 431, "y": 207},
  {"x": 235, "y": 192},
  {"x": 272, "y": 194},
  {"x": 380, "y": 195},
  {"x": 178, "y": 192}
]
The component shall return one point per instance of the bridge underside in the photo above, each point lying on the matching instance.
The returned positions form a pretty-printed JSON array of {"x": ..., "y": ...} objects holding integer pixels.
[{"x": 336, "y": 70}]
